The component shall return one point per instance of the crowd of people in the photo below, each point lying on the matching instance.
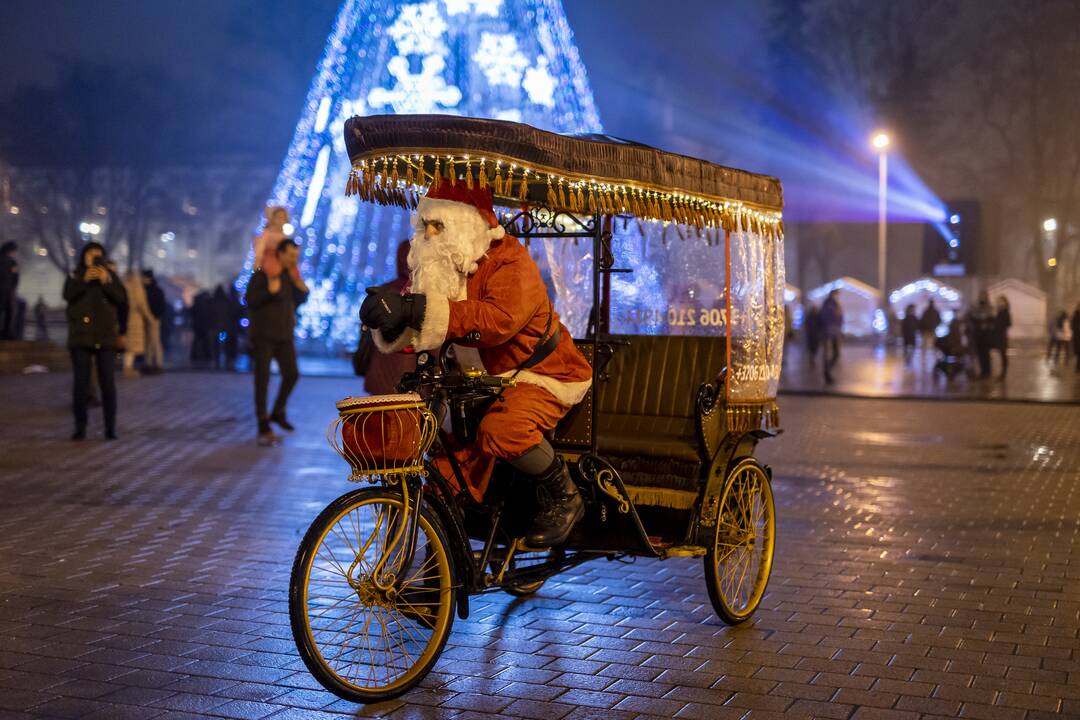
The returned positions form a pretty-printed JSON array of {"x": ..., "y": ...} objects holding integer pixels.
[{"x": 968, "y": 344}]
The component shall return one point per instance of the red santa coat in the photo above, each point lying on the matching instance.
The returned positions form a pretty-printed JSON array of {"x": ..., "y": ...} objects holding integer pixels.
[{"x": 508, "y": 305}]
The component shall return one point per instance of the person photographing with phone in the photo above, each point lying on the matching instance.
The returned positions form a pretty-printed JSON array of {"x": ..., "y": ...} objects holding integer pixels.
[{"x": 94, "y": 296}]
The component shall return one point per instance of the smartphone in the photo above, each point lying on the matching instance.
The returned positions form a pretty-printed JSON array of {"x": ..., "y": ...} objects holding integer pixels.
[{"x": 99, "y": 261}]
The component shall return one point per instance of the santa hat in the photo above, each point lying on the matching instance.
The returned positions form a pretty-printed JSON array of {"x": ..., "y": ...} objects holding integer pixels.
[{"x": 459, "y": 204}]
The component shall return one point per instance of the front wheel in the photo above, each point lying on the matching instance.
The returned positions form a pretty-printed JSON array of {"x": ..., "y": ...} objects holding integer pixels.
[
  {"x": 738, "y": 563},
  {"x": 367, "y": 630}
]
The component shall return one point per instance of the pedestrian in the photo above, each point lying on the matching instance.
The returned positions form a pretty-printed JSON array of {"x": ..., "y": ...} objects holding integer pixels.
[
  {"x": 812, "y": 328},
  {"x": 234, "y": 316},
  {"x": 1074, "y": 326},
  {"x": 928, "y": 325},
  {"x": 909, "y": 328},
  {"x": 155, "y": 301},
  {"x": 94, "y": 296},
  {"x": 9, "y": 282},
  {"x": 1060, "y": 339},
  {"x": 200, "y": 328},
  {"x": 982, "y": 319},
  {"x": 1002, "y": 323},
  {"x": 41, "y": 319},
  {"x": 138, "y": 314},
  {"x": 832, "y": 328},
  {"x": 219, "y": 323},
  {"x": 382, "y": 371},
  {"x": 272, "y": 301},
  {"x": 266, "y": 243}
]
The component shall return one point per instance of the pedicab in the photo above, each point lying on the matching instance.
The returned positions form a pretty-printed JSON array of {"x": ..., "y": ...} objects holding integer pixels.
[{"x": 670, "y": 271}]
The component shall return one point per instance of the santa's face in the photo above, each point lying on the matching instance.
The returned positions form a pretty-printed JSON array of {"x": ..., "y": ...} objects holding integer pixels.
[{"x": 449, "y": 240}]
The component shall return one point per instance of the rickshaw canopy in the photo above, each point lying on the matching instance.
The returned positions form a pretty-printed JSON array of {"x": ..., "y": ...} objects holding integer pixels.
[{"x": 396, "y": 157}]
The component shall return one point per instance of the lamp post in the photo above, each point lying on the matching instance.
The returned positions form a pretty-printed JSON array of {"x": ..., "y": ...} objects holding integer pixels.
[{"x": 880, "y": 142}]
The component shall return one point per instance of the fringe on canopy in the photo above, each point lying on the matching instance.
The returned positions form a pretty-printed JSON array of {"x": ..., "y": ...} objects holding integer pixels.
[
  {"x": 401, "y": 179},
  {"x": 746, "y": 417}
]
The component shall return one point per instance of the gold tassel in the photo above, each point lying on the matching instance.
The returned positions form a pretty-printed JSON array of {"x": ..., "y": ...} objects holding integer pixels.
[
  {"x": 410, "y": 178},
  {"x": 421, "y": 177},
  {"x": 483, "y": 175},
  {"x": 580, "y": 197},
  {"x": 468, "y": 175},
  {"x": 592, "y": 201},
  {"x": 436, "y": 177},
  {"x": 562, "y": 196},
  {"x": 498, "y": 179},
  {"x": 394, "y": 177},
  {"x": 450, "y": 172},
  {"x": 551, "y": 199}
]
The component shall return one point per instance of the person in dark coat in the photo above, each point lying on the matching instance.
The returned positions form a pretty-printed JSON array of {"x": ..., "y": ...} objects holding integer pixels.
[
  {"x": 928, "y": 324},
  {"x": 1002, "y": 323},
  {"x": 201, "y": 327},
  {"x": 1074, "y": 326},
  {"x": 9, "y": 281},
  {"x": 272, "y": 302},
  {"x": 94, "y": 296},
  {"x": 909, "y": 328},
  {"x": 219, "y": 324},
  {"x": 812, "y": 328},
  {"x": 983, "y": 322},
  {"x": 832, "y": 328},
  {"x": 233, "y": 317}
]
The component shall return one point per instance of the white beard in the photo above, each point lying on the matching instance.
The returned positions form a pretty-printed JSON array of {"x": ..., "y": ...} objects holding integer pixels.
[{"x": 443, "y": 264}]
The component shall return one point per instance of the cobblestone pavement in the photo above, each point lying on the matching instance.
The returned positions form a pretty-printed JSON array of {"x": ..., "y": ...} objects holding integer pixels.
[{"x": 928, "y": 565}]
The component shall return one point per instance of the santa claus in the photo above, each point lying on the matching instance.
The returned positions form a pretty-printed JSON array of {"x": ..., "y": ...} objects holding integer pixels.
[{"x": 469, "y": 278}]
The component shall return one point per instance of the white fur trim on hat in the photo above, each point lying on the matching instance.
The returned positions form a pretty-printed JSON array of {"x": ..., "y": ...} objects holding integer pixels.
[
  {"x": 567, "y": 393},
  {"x": 464, "y": 220},
  {"x": 436, "y": 322}
]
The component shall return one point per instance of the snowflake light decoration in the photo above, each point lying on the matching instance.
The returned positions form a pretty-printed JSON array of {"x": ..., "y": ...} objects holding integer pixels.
[
  {"x": 422, "y": 92},
  {"x": 539, "y": 83},
  {"x": 500, "y": 59},
  {"x": 419, "y": 29}
]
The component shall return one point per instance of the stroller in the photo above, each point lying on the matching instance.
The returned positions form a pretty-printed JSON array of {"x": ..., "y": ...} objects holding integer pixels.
[{"x": 953, "y": 351}]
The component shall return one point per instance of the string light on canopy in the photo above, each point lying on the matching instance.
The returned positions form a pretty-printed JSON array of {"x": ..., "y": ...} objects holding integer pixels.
[{"x": 482, "y": 58}]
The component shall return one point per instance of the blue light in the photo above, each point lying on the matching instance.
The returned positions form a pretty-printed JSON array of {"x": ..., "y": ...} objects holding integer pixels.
[
  {"x": 954, "y": 219},
  {"x": 533, "y": 73},
  {"x": 954, "y": 242},
  {"x": 244, "y": 322}
]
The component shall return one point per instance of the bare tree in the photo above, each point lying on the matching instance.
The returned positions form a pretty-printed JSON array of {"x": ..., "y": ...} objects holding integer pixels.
[
  {"x": 91, "y": 149},
  {"x": 1021, "y": 81}
]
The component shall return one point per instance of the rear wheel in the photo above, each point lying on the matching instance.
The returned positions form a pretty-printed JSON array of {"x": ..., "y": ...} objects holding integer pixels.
[
  {"x": 738, "y": 564},
  {"x": 362, "y": 641}
]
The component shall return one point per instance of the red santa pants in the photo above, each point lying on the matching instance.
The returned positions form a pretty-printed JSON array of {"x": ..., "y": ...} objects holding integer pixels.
[{"x": 511, "y": 427}]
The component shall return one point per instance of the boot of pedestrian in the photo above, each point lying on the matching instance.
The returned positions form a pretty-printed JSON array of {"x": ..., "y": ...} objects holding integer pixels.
[
  {"x": 266, "y": 436},
  {"x": 561, "y": 507},
  {"x": 279, "y": 419}
]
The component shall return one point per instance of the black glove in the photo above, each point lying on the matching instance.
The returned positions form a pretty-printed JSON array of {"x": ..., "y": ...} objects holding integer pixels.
[{"x": 391, "y": 312}]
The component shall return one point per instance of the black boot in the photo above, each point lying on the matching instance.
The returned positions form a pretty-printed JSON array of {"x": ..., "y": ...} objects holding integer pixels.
[{"x": 560, "y": 507}]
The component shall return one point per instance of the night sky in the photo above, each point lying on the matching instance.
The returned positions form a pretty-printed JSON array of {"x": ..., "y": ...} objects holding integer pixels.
[{"x": 657, "y": 77}]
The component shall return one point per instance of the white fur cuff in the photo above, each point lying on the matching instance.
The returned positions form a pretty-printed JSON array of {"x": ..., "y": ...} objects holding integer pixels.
[
  {"x": 403, "y": 341},
  {"x": 436, "y": 323}
]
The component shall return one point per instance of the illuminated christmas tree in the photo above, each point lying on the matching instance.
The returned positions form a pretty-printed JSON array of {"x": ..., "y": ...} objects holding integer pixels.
[{"x": 513, "y": 60}]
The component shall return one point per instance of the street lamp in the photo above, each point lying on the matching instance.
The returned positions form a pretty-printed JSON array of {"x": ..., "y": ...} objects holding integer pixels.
[
  {"x": 880, "y": 142},
  {"x": 1050, "y": 224}
]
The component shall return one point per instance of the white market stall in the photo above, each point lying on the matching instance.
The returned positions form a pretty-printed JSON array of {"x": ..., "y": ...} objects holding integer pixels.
[
  {"x": 947, "y": 299},
  {"x": 1027, "y": 305},
  {"x": 858, "y": 301}
]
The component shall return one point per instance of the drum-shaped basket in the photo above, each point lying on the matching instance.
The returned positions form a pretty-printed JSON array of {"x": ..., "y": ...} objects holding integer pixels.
[{"x": 382, "y": 435}]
